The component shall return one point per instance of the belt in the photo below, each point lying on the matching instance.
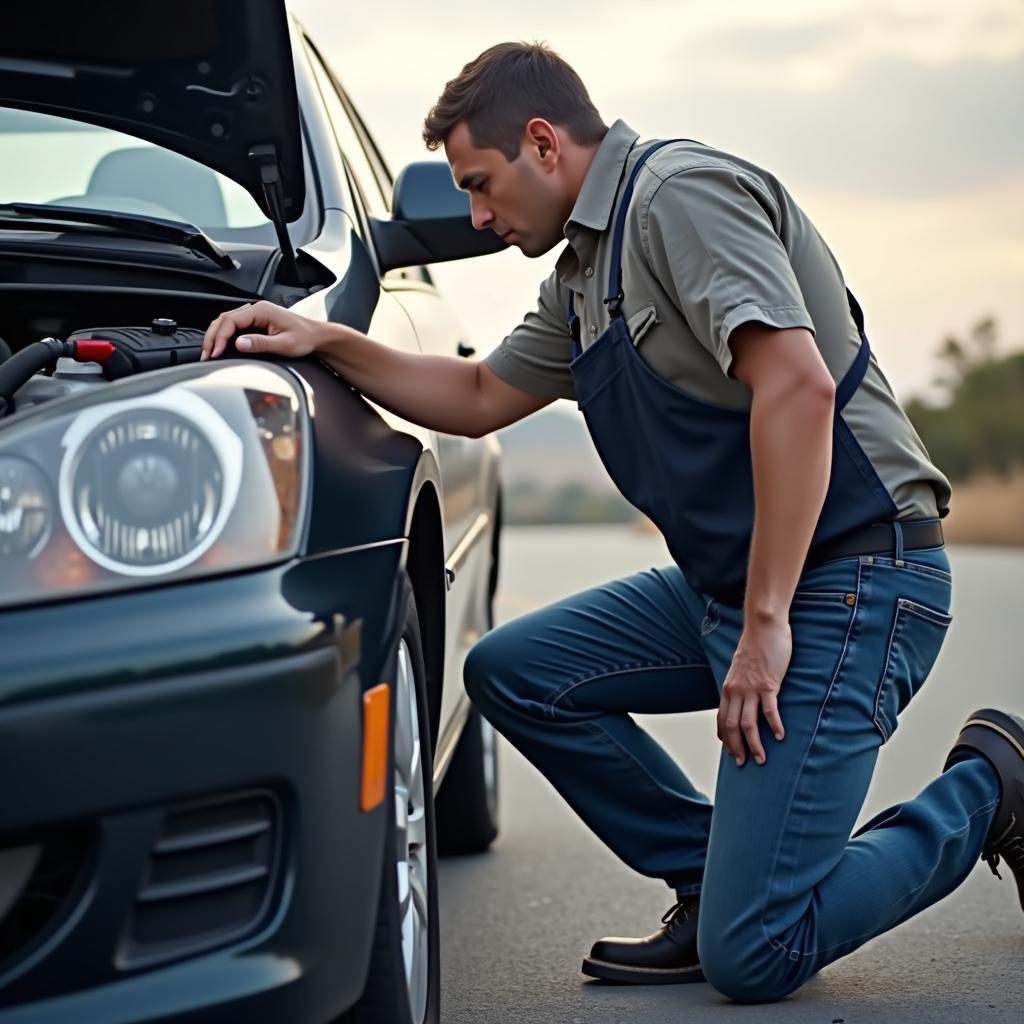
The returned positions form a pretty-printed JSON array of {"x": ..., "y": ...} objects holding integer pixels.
[
  {"x": 876, "y": 539},
  {"x": 873, "y": 539}
]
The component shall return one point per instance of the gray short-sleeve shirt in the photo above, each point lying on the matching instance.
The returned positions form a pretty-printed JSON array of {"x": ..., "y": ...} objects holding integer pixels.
[{"x": 712, "y": 241}]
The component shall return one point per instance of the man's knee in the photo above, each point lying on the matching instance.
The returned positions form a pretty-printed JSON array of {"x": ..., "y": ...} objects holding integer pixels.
[
  {"x": 478, "y": 668},
  {"x": 489, "y": 668},
  {"x": 743, "y": 966},
  {"x": 502, "y": 682}
]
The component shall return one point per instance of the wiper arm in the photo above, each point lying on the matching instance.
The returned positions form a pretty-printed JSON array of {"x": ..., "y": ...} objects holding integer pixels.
[{"x": 158, "y": 229}]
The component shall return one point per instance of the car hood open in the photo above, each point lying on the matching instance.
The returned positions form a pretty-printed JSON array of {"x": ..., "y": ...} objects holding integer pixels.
[{"x": 210, "y": 79}]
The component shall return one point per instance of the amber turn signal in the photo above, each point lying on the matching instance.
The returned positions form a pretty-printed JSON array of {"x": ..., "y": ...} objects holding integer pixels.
[{"x": 376, "y": 719}]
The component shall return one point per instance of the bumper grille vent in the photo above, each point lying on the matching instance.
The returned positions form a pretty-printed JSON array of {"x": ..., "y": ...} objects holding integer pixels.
[{"x": 209, "y": 880}]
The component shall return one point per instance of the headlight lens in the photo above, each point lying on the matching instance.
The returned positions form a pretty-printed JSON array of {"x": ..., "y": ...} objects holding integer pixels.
[
  {"x": 26, "y": 509},
  {"x": 145, "y": 488},
  {"x": 178, "y": 473}
]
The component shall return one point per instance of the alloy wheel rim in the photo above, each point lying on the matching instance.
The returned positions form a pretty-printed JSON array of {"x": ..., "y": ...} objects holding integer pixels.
[
  {"x": 411, "y": 837},
  {"x": 489, "y": 740}
]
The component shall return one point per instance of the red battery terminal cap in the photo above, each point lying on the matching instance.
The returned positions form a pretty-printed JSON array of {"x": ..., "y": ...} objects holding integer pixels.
[{"x": 93, "y": 351}]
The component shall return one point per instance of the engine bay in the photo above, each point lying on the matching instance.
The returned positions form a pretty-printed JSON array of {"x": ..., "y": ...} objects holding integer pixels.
[
  {"x": 54, "y": 368},
  {"x": 148, "y": 329}
]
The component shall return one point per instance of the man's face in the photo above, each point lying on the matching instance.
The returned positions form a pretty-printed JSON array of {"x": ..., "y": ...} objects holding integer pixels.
[{"x": 522, "y": 200}]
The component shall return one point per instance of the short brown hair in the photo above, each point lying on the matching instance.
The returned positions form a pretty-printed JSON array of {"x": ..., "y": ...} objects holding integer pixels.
[{"x": 498, "y": 93}]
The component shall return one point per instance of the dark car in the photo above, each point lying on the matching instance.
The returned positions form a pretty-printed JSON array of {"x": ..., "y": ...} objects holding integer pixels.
[{"x": 235, "y": 596}]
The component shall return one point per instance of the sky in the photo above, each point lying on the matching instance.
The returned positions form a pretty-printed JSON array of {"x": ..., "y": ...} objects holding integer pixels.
[{"x": 897, "y": 126}]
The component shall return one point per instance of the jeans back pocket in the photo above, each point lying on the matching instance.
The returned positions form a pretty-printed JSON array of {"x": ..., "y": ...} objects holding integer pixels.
[{"x": 914, "y": 643}]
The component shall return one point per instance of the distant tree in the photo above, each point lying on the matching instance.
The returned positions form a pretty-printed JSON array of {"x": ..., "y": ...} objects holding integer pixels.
[{"x": 979, "y": 424}]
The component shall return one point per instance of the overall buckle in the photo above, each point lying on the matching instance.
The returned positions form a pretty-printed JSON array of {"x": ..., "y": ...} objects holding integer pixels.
[{"x": 614, "y": 304}]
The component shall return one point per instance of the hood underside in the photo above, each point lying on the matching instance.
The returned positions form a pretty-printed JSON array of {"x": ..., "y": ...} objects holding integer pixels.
[{"x": 210, "y": 79}]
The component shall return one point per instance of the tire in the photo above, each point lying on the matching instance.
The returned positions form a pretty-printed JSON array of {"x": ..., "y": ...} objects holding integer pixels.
[
  {"x": 397, "y": 956},
  {"x": 467, "y": 805}
]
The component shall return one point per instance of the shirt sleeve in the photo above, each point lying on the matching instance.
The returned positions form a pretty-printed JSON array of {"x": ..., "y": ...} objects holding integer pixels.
[
  {"x": 535, "y": 357},
  {"x": 712, "y": 243}
]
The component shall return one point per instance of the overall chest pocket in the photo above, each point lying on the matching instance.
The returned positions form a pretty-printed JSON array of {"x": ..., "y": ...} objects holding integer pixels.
[{"x": 914, "y": 642}]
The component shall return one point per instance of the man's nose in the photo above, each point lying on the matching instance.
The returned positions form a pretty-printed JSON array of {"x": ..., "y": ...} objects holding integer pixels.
[{"x": 482, "y": 217}]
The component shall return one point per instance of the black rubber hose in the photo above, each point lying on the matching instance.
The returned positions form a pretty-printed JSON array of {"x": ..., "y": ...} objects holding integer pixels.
[{"x": 18, "y": 370}]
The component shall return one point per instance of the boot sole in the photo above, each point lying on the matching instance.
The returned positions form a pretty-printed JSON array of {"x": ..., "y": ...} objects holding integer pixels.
[{"x": 641, "y": 975}]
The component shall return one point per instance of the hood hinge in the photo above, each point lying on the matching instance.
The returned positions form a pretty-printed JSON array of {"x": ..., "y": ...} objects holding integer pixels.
[{"x": 270, "y": 178}]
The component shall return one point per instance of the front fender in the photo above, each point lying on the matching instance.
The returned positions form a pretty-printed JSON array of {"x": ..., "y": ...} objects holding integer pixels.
[{"x": 366, "y": 473}]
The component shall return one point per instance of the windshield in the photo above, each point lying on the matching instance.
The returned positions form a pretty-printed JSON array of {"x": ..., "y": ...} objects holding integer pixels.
[{"x": 55, "y": 160}]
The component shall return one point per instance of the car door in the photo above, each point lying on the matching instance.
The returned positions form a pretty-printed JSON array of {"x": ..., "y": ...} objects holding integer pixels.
[
  {"x": 467, "y": 466},
  {"x": 468, "y": 472},
  {"x": 462, "y": 459}
]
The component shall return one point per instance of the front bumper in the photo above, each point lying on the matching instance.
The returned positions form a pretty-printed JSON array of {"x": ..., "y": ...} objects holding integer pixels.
[{"x": 203, "y": 743}]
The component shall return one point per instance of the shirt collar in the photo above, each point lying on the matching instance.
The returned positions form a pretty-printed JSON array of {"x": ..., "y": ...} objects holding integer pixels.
[{"x": 593, "y": 207}]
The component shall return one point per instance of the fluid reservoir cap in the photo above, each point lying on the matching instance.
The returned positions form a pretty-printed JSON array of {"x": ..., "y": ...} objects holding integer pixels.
[
  {"x": 68, "y": 368},
  {"x": 161, "y": 325}
]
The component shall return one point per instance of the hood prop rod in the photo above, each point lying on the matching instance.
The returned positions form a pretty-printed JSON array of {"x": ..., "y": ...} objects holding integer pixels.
[{"x": 273, "y": 193}]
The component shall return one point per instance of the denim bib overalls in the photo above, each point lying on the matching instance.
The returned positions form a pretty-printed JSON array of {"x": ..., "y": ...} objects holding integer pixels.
[{"x": 685, "y": 462}]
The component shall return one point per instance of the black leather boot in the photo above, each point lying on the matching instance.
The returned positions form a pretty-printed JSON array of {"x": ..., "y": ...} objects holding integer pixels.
[
  {"x": 998, "y": 737},
  {"x": 666, "y": 957}
]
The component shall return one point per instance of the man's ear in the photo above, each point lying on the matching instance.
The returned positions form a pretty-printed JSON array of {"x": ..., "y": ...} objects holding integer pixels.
[{"x": 542, "y": 139}]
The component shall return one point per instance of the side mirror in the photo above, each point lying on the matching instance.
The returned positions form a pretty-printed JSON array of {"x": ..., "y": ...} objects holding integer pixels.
[{"x": 430, "y": 221}]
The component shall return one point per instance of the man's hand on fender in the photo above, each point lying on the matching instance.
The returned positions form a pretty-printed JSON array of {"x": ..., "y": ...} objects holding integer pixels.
[{"x": 752, "y": 685}]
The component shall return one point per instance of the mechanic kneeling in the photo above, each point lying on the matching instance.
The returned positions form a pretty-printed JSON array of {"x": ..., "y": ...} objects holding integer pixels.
[{"x": 726, "y": 378}]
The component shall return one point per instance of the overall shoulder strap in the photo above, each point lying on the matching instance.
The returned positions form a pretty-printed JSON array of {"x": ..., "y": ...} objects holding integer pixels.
[
  {"x": 615, "y": 295},
  {"x": 855, "y": 311},
  {"x": 573, "y": 320},
  {"x": 855, "y": 374}
]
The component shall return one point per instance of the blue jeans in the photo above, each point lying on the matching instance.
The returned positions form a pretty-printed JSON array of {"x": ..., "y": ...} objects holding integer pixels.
[{"x": 784, "y": 888}]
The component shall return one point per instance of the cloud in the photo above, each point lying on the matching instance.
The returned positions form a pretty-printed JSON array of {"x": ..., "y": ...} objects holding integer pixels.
[
  {"x": 1001, "y": 21},
  {"x": 770, "y": 41},
  {"x": 767, "y": 44},
  {"x": 892, "y": 125},
  {"x": 955, "y": 30},
  {"x": 844, "y": 100}
]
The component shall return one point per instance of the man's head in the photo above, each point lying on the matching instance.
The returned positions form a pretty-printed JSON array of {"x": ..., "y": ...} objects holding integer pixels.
[{"x": 519, "y": 131}]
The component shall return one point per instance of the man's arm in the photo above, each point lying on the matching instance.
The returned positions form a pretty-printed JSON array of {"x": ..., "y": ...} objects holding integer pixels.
[
  {"x": 792, "y": 403},
  {"x": 444, "y": 393}
]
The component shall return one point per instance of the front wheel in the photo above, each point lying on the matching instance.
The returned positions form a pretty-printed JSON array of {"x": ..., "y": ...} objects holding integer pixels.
[{"x": 403, "y": 983}]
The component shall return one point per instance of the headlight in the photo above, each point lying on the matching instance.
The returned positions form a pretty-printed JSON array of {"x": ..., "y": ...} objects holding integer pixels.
[{"x": 177, "y": 473}]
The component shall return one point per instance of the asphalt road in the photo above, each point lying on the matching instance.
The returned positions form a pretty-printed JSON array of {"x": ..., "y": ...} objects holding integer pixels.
[{"x": 517, "y": 920}]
